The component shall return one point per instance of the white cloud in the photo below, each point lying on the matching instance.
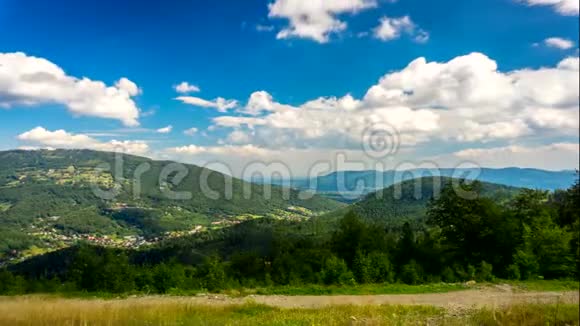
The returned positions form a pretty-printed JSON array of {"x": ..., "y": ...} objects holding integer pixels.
[
  {"x": 130, "y": 87},
  {"x": 558, "y": 156},
  {"x": 392, "y": 28},
  {"x": 31, "y": 81},
  {"x": 227, "y": 121},
  {"x": 221, "y": 104},
  {"x": 315, "y": 19},
  {"x": 238, "y": 137},
  {"x": 426, "y": 106},
  {"x": 190, "y": 131},
  {"x": 165, "y": 130},
  {"x": 246, "y": 150},
  {"x": 241, "y": 160},
  {"x": 185, "y": 87},
  {"x": 466, "y": 99},
  {"x": 260, "y": 102},
  {"x": 475, "y": 131},
  {"x": 39, "y": 137},
  {"x": 570, "y": 63},
  {"x": 560, "y": 43},
  {"x": 564, "y": 7}
]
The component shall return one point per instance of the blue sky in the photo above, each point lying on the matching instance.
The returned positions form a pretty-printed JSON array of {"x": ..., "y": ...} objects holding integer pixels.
[{"x": 231, "y": 49}]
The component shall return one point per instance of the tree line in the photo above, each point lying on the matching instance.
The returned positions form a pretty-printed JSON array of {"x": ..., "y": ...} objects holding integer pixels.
[{"x": 533, "y": 236}]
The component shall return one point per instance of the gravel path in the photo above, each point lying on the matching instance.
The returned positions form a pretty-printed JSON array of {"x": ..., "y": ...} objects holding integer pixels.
[
  {"x": 454, "y": 299},
  {"x": 492, "y": 297}
]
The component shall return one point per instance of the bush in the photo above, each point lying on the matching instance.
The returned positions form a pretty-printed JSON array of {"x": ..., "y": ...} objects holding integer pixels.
[
  {"x": 335, "y": 271},
  {"x": 513, "y": 272},
  {"x": 362, "y": 268},
  {"x": 448, "y": 275},
  {"x": 527, "y": 264},
  {"x": 11, "y": 284},
  {"x": 381, "y": 268},
  {"x": 485, "y": 272},
  {"x": 471, "y": 271},
  {"x": 214, "y": 274},
  {"x": 411, "y": 273},
  {"x": 461, "y": 274}
]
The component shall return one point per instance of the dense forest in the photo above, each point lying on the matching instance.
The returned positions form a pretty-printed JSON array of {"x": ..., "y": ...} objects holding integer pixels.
[{"x": 532, "y": 235}]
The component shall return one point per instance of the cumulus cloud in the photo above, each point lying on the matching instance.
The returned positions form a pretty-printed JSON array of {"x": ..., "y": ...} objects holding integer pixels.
[
  {"x": 474, "y": 131},
  {"x": 239, "y": 137},
  {"x": 557, "y": 156},
  {"x": 392, "y": 28},
  {"x": 32, "y": 81},
  {"x": 559, "y": 43},
  {"x": 564, "y": 7},
  {"x": 260, "y": 102},
  {"x": 130, "y": 87},
  {"x": 466, "y": 99},
  {"x": 230, "y": 121},
  {"x": 315, "y": 19},
  {"x": 244, "y": 160},
  {"x": 40, "y": 137},
  {"x": 184, "y": 87},
  {"x": 190, "y": 131},
  {"x": 220, "y": 104},
  {"x": 164, "y": 130}
]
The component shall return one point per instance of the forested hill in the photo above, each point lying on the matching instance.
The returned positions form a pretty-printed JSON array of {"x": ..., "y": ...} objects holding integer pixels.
[
  {"x": 78, "y": 168},
  {"x": 48, "y": 196},
  {"x": 407, "y": 201},
  {"x": 530, "y": 235},
  {"x": 346, "y": 183}
]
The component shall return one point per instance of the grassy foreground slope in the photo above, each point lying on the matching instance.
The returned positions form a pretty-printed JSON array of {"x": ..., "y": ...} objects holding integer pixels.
[{"x": 183, "y": 311}]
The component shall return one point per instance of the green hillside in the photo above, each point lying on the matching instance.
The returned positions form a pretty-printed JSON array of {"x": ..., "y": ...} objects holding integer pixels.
[
  {"x": 517, "y": 234},
  {"x": 47, "y": 199},
  {"x": 407, "y": 201}
]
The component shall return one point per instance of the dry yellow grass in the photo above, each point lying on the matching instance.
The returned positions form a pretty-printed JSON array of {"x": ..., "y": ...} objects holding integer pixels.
[{"x": 46, "y": 310}]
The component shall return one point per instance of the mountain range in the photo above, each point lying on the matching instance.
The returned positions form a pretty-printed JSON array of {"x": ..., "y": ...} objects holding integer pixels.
[
  {"x": 51, "y": 199},
  {"x": 350, "y": 186}
]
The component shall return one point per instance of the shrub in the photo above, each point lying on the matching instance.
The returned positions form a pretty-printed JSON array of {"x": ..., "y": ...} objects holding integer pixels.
[
  {"x": 335, "y": 271},
  {"x": 411, "y": 273},
  {"x": 381, "y": 270},
  {"x": 362, "y": 268},
  {"x": 448, "y": 275},
  {"x": 485, "y": 272},
  {"x": 527, "y": 263},
  {"x": 513, "y": 272},
  {"x": 471, "y": 271}
]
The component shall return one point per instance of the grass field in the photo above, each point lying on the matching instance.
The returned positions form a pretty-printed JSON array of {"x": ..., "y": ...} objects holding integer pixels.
[{"x": 38, "y": 310}]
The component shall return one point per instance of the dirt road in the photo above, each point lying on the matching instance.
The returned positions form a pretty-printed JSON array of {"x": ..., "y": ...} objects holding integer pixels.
[{"x": 491, "y": 297}]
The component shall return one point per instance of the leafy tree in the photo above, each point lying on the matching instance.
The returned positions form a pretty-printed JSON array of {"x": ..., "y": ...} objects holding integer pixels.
[
  {"x": 335, "y": 271},
  {"x": 349, "y": 237},
  {"x": 214, "y": 274},
  {"x": 168, "y": 277},
  {"x": 411, "y": 273}
]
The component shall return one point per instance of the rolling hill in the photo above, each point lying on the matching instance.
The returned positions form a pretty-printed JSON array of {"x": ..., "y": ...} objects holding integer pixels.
[
  {"x": 388, "y": 209},
  {"x": 407, "y": 201},
  {"x": 350, "y": 186},
  {"x": 48, "y": 198}
]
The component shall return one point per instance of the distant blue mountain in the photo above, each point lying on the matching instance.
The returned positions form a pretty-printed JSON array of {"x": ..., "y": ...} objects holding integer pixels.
[{"x": 353, "y": 184}]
